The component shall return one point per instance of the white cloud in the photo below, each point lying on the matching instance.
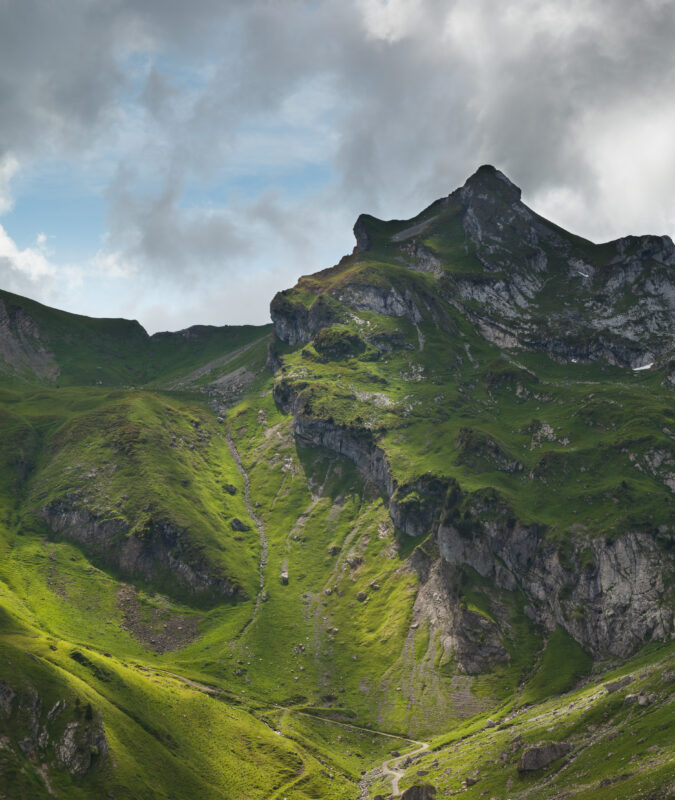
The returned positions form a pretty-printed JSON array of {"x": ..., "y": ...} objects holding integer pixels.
[
  {"x": 113, "y": 264},
  {"x": 30, "y": 263}
]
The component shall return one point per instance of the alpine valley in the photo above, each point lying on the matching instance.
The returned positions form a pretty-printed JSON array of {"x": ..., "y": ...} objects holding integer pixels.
[{"x": 415, "y": 537}]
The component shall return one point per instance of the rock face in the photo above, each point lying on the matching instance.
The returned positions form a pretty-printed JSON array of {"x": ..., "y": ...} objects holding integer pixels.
[
  {"x": 622, "y": 594},
  {"x": 358, "y": 446},
  {"x": 164, "y": 550},
  {"x": 542, "y": 755},
  {"x": 76, "y": 747},
  {"x": 613, "y": 302},
  {"x": 591, "y": 321},
  {"x": 80, "y": 744},
  {"x": 294, "y": 323},
  {"x": 471, "y": 639},
  {"x": 422, "y": 791},
  {"x": 21, "y": 348}
]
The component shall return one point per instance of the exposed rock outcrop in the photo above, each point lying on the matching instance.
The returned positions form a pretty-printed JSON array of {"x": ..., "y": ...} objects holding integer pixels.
[
  {"x": 164, "y": 549},
  {"x": 611, "y": 605},
  {"x": 39, "y": 732},
  {"x": 591, "y": 322},
  {"x": 7, "y": 695},
  {"x": 473, "y": 640},
  {"x": 422, "y": 791},
  {"x": 81, "y": 743},
  {"x": 542, "y": 755},
  {"x": 22, "y": 350},
  {"x": 294, "y": 323}
]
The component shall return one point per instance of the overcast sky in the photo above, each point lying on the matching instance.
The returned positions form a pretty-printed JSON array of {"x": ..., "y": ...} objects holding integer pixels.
[{"x": 179, "y": 162}]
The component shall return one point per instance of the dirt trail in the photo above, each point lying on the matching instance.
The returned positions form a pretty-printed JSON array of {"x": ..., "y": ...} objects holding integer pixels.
[
  {"x": 392, "y": 766},
  {"x": 200, "y": 687},
  {"x": 259, "y": 525}
]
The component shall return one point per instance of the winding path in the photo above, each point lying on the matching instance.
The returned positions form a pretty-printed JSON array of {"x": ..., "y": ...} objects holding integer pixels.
[
  {"x": 259, "y": 525},
  {"x": 392, "y": 766}
]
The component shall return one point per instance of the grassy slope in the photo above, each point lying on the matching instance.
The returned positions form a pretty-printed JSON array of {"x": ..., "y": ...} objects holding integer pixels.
[
  {"x": 135, "y": 457},
  {"x": 314, "y": 645},
  {"x": 72, "y": 604},
  {"x": 116, "y": 352},
  {"x": 308, "y": 500},
  {"x": 167, "y": 740},
  {"x": 583, "y": 434},
  {"x": 619, "y": 748}
]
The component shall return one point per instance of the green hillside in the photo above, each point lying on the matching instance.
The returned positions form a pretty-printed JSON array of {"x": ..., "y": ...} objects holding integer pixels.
[
  {"x": 73, "y": 350},
  {"x": 408, "y": 537}
]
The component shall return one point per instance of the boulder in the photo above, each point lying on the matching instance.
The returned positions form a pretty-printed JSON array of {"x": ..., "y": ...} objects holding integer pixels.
[
  {"x": 614, "y": 686},
  {"x": 643, "y": 699},
  {"x": 237, "y": 525},
  {"x": 542, "y": 755}
]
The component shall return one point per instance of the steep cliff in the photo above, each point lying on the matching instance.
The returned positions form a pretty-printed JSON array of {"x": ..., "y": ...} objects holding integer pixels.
[{"x": 513, "y": 407}]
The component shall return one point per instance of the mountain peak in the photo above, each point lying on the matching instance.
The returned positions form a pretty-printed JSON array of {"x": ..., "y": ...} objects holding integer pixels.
[{"x": 488, "y": 179}]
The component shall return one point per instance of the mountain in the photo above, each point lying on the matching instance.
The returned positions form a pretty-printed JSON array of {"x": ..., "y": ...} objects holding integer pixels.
[
  {"x": 420, "y": 531},
  {"x": 523, "y": 282},
  {"x": 41, "y": 343}
]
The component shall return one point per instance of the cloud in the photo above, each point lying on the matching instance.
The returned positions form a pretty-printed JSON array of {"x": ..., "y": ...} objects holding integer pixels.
[
  {"x": 9, "y": 166},
  {"x": 20, "y": 269},
  {"x": 154, "y": 232},
  {"x": 242, "y": 138}
]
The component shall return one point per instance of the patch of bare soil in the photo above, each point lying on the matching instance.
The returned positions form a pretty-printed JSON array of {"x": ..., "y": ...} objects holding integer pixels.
[{"x": 159, "y": 629}]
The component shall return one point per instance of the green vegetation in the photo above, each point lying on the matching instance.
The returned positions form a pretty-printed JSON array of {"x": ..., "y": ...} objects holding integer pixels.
[
  {"x": 563, "y": 663},
  {"x": 181, "y": 564},
  {"x": 562, "y": 447},
  {"x": 618, "y": 747},
  {"x": 69, "y": 349}
]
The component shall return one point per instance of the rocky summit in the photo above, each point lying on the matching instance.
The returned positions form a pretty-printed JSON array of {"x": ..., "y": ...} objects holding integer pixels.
[{"x": 415, "y": 538}]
